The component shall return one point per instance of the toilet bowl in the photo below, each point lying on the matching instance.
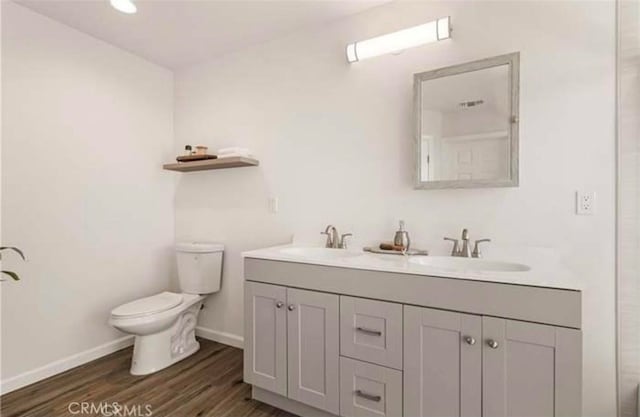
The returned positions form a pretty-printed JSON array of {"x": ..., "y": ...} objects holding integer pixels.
[{"x": 164, "y": 324}]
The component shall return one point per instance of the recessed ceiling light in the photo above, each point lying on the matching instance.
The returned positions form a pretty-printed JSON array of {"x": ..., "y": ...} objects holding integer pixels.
[{"x": 124, "y": 6}]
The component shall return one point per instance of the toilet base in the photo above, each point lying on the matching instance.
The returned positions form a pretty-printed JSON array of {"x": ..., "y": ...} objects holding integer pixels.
[{"x": 157, "y": 351}]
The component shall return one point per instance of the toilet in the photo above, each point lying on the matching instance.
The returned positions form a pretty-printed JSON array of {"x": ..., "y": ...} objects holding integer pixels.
[{"x": 164, "y": 324}]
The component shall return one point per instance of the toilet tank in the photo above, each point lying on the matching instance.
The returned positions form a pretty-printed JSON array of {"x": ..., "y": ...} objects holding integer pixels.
[{"x": 199, "y": 267}]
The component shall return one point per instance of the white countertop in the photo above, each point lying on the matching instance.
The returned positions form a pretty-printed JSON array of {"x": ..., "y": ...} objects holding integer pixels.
[{"x": 545, "y": 271}]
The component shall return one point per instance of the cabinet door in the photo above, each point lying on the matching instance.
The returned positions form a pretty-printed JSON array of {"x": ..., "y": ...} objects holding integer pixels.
[
  {"x": 530, "y": 369},
  {"x": 265, "y": 345},
  {"x": 442, "y": 363},
  {"x": 313, "y": 348}
]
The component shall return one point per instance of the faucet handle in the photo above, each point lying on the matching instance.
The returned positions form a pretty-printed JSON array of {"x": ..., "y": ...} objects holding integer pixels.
[
  {"x": 465, "y": 234},
  {"x": 476, "y": 250},
  {"x": 331, "y": 232},
  {"x": 343, "y": 242},
  {"x": 454, "y": 251}
]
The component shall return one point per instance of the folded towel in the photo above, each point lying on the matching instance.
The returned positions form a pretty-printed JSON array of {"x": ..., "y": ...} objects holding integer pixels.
[
  {"x": 234, "y": 155},
  {"x": 233, "y": 149}
]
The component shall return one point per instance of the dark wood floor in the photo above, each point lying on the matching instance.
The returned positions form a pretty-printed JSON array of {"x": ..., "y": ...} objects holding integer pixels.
[{"x": 209, "y": 383}]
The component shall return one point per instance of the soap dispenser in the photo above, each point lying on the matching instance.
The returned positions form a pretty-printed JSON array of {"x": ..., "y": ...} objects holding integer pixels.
[{"x": 401, "y": 238}]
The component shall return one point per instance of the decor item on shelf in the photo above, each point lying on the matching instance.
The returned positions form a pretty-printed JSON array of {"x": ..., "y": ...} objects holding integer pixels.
[
  {"x": 234, "y": 151},
  {"x": 194, "y": 157},
  {"x": 188, "y": 150},
  {"x": 434, "y": 31},
  {"x": 201, "y": 150},
  {"x": 11, "y": 273}
]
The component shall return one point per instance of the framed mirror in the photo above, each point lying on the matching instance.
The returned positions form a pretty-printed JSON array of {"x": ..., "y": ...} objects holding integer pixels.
[{"x": 467, "y": 121}]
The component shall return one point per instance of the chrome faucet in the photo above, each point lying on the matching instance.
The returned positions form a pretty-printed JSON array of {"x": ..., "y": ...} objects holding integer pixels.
[
  {"x": 333, "y": 241},
  {"x": 465, "y": 251}
]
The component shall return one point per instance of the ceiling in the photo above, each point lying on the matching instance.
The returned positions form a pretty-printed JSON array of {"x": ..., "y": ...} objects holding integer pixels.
[
  {"x": 491, "y": 85},
  {"x": 179, "y": 33}
]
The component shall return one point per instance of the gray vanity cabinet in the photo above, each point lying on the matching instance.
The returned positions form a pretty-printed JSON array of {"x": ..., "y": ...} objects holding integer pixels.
[
  {"x": 313, "y": 349},
  {"x": 291, "y": 344},
  {"x": 325, "y": 341},
  {"x": 265, "y": 336},
  {"x": 443, "y": 363},
  {"x": 530, "y": 369},
  {"x": 467, "y": 365}
]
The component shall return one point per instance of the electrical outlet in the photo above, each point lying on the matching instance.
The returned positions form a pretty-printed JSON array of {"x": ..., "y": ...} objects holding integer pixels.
[{"x": 585, "y": 203}]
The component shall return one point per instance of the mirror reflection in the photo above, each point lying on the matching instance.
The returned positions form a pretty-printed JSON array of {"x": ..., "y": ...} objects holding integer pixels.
[{"x": 465, "y": 127}]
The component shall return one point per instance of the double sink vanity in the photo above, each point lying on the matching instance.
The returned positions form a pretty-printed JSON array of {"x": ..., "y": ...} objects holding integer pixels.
[
  {"x": 344, "y": 332},
  {"x": 332, "y": 331}
]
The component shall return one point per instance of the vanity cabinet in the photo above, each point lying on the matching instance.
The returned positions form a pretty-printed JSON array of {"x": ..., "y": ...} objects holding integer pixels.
[
  {"x": 443, "y": 363},
  {"x": 530, "y": 369},
  {"x": 291, "y": 344},
  {"x": 366, "y": 343},
  {"x": 465, "y": 365},
  {"x": 265, "y": 336},
  {"x": 312, "y": 324}
]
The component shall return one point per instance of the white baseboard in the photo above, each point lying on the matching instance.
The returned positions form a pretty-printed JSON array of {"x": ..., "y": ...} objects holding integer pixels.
[
  {"x": 59, "y": 366},
  {"x": 221, "y": 337}
]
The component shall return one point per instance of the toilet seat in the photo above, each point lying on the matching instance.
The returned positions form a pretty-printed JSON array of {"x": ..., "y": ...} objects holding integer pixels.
[{"x": 148, "y": 305}]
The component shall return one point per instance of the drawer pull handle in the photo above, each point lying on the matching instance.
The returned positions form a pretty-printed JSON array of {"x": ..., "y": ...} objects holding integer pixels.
[
  {"x": 369, "y": 397},
  {"x": 492, "y": 344},
  {"x": 369, "y": 331}
]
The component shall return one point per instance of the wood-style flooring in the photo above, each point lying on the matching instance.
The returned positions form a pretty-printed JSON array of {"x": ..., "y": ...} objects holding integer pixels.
[{"x": 209, "y": 383}]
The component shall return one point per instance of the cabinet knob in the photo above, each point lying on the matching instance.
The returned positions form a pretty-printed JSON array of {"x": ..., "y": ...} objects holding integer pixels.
[
  {"x": 492, "y": 344},
  {"x": 291, "y": 307},
  {"x": 279, "y": 304},
  {"x": 470, "y": 340}
]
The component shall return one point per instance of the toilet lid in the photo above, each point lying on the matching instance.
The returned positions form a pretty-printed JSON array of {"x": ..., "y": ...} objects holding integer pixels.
[{"x": 148, "y": 305}]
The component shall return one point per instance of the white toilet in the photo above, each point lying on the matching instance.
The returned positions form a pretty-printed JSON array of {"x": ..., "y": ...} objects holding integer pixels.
[{"x": 164, "y": 324}]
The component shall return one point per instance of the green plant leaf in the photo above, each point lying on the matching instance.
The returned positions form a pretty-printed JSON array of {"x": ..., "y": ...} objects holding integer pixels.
[
  {"x": 12, "y": 275},
  {"x": 13, "y": 248}
]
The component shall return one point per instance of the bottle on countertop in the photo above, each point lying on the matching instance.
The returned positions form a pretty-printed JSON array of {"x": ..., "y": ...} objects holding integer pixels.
[{"x": 401, "y": 238}]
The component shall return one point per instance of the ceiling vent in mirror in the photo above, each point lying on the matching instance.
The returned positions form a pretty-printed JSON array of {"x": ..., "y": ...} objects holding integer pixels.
[{"x": 472, "y": 103}]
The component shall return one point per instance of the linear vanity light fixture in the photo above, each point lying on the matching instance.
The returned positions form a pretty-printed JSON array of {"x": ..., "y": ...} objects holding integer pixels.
[
  {"x": 436, "y": 30},
  {"x": 124, "y": 6}
]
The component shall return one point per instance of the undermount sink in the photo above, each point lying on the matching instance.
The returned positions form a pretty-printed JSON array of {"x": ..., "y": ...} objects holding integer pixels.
[
  {"x": 319, "y": 253},
  {"x": 468, "y": 264}
]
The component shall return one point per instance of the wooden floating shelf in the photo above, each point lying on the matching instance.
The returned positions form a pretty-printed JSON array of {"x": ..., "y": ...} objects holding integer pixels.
[{"x": 221, "y": 163}]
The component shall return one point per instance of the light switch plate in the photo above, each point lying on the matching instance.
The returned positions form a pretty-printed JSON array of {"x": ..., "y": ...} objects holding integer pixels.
[
  {"x": 585, "y": 203},
  {"x": 274, "y": 204}
]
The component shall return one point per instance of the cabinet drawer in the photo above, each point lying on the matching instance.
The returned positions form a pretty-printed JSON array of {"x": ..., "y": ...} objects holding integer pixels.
[
  {"x": 369, "y": 390},
  {"x": 371, "y": 331}
]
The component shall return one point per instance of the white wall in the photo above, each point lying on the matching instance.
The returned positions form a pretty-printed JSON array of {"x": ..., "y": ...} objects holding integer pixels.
[
  {"x": 85, "y": 129},
  {"x": 335, "y": 144}
]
